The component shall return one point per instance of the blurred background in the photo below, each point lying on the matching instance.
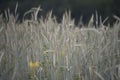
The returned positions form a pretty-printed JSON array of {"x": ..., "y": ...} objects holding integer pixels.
[{"x": 84, "y": 8}]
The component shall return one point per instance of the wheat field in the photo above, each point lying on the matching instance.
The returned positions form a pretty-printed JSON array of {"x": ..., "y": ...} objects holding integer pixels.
[{"x": 43, "y": 49}]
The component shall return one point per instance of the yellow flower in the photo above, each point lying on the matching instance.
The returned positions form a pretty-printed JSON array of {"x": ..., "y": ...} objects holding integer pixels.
[
  {"x": 33, "y": 64},
  {"x": 36, "y": 64}
]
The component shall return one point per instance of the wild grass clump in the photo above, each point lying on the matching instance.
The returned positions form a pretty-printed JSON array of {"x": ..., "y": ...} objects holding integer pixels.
[{"x": 44, "y": 49}]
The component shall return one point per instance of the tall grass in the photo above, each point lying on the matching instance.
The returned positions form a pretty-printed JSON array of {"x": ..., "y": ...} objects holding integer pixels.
[{"x": 47, "y": 50}]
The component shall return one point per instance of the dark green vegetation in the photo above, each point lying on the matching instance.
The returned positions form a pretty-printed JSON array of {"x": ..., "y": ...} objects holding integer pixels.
[{"x": 85, "y": 8}]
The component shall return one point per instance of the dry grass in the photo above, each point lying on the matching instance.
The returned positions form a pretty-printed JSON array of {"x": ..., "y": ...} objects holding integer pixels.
[{"x": 58, "y": 51}]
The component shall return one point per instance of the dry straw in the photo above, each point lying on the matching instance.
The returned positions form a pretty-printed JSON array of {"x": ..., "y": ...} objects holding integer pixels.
[{"x": 58, "y": 51}]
